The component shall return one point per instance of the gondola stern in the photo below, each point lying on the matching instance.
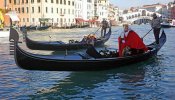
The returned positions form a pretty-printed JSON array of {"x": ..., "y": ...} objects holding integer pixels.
[{"x": 14, "y": 35}]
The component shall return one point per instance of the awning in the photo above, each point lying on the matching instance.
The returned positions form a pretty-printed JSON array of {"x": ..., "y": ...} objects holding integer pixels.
[
  {"x": 13, "y": 15},
  {"x": 79, "y": 20},
  {"x": 92, "y": 20}
]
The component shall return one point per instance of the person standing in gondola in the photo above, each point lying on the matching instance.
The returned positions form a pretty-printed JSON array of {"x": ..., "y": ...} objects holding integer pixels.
[
  {"x": 156, "y": 26},
  {"x": 104, "y": 26},
  {"x": 130, "y": 43}
]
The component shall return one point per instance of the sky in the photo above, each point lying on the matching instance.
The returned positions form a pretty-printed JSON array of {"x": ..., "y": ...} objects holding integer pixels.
[{"x": 125, "y": 4}]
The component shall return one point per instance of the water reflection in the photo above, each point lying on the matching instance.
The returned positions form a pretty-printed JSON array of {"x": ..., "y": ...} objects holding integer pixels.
[
  {"x": 128, "y": 81},
  {"x": 150, "y": 80}
]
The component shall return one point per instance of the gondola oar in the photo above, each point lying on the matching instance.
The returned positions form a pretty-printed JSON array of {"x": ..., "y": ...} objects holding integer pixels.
[
  {"x": 147, "y": 33},
  {"x": 96, "y": 31}
]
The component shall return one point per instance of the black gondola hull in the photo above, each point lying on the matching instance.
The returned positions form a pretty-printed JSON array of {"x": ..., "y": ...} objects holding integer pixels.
[
  {"x": 75, "y": 62},
  {"x": 42, "y": 63},
  {"x": 57, "y": 45}
]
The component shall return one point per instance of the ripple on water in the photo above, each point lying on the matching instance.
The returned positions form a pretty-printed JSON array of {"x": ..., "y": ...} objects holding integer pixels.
[{"x": 150, "y": 80}]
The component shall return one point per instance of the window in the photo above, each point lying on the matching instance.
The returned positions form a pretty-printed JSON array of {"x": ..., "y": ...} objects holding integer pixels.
[
  {"x": 38, "y": 1},
  {"x": 15, "y": 9},
  {"x": 64, "y": 11},
  {"x": 32, "y": 1},
  {"x": 51, "y": 1},
  {"x": 10, "y": 1},
  {"x": 32, "y": 9},
  {"x": 27, "y": 19},
  {"x": 26, "y": 1},
  {"x": 39, "y": 10},
  {"x": 33, "y": 19},
  {"x": 61, "y": 11},
  {"x": 22, "y": 9},
  {"x": 57, "y": 20},
  {"x": 45, "y": 0},
  {"x": 22, "y": 1},
  {"x": 89, "y": 1},
  {"x": 60, "y": 1},
  {"x": 57, "y": 10},
  {"x": 72, "y": 3},
  {"x": 65, "y": 2},
  {"x": 15, "y": 2},
  {"x": 68, "y": 2},
  {"x": 57, "y": 1},
  {"x": 23, "y": 19},
  {"x": 27, "y": 10},
  {"x": 52, "y": 10},
  {"x": 19, "y": 10},
  {"x": 72, "y": 12},
  {"x": 46, "y": 10},
  {"x": 69, "y": 11}
]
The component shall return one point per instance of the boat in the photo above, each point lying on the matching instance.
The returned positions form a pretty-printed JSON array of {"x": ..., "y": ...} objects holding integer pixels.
[
  {"x": 43, "y": 28},
  {"x": 165, "y": 25},
  {"x": 91, "y": 60},
  {"x": 59, "y": 45},
  {"x": 64, "y": 27},
  {"x": 168, "y": 24},
  {"x": 28, "y": 28}
]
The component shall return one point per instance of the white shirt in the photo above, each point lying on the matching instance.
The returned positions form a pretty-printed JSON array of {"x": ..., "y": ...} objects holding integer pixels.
[{"x": 125, "y": 34}]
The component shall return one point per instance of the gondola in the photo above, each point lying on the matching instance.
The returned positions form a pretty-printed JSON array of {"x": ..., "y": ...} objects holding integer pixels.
[
  {"x": 43, "y": 28},
  {"x": 28, "y": 28},
  {"x": 91, "y": 60},
  {"x": 59, "y": 45},
  {"x": 166, "y": 26}
]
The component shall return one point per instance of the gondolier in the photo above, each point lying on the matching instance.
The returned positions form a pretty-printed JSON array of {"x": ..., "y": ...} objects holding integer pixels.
[
  {"x": 104, "y": 26},
  {"x": 156, "y": 26},
  {"x": 130, "y": 43}
]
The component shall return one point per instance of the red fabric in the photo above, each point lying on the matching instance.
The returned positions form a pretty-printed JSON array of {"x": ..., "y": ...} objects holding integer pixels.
[
  {"x": 79, "y": 20},
  {"x": 121, "y": 46},
  {"x": 133, "y": 41},
  {"x": 91, "y": 21}
]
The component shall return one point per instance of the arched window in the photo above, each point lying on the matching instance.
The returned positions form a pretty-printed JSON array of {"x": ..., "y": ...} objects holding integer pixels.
[
  {"x": 143, "y": 13},
  {"x": 132, "y": 16},
  {"x": 148, "y": 14},
  {"x": 129, "y": 17},
  {"x": 139, "y": 15}
]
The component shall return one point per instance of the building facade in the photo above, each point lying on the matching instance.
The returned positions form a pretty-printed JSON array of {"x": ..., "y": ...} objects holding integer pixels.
[
  {"x": 5, "y": 21},
  {"x": 60, "y": 13},
  {"x": 40, "y": 12},
  {"x": 101, "y": 9}
]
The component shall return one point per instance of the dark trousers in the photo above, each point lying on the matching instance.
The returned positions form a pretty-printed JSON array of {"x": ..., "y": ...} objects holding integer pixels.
[
  {"x": 156, "y": 34},
  {"x": 103, "y": 32}
]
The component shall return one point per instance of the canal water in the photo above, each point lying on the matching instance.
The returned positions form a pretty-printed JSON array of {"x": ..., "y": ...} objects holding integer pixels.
[{"x": 153, "y": 79}]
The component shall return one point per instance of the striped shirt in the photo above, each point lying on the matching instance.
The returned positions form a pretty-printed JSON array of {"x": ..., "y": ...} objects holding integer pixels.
[{"x": 156, "y": 23}]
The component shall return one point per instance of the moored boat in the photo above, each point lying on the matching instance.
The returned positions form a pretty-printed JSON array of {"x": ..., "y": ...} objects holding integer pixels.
[
  {"x": 43, "y": 27},
  {"x": 90, "y": 61},
  {"x": 168, "y": 24},
  {"x": 59, "y": 45}
]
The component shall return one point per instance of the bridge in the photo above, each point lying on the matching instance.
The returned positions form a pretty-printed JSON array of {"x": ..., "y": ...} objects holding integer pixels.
[{"x": 138, "y": 17}]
